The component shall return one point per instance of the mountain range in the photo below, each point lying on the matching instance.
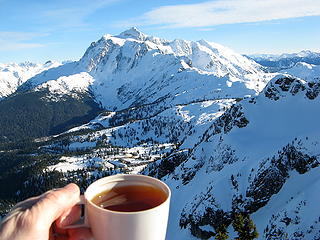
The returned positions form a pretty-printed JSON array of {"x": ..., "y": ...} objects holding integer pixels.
[
  {"x": 12, "y": 75},
  {"x": 287, "y": 60},
  {"x": 228, "y": 134}
]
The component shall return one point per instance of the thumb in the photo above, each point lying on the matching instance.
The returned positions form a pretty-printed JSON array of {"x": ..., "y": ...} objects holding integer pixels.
[{"x": 54, "y": 203}]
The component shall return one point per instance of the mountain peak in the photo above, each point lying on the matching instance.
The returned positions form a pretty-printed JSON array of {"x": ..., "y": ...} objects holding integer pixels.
[{"x": 133, "y": 33}]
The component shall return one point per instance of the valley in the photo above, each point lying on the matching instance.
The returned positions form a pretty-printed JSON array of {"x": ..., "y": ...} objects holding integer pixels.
[{"x": 228, "y": 135}]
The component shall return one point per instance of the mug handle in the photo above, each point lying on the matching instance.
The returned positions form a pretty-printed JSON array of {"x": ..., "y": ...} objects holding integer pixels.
[{"x": 83, "y": 220}]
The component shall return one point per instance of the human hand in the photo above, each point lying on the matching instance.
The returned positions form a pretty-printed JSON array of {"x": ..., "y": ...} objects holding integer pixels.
[{"x": 43, "y": 217}]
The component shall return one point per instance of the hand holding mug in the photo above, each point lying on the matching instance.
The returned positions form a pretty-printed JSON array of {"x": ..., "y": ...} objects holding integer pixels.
[
  {"x": 119, "y": 207},
  {"x": 127, "y": 207},
  {"x": 43, "y": 217}
]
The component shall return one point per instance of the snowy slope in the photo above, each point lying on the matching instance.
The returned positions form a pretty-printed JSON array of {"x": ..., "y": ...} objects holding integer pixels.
[
  {"x": 169, "y": 125},
  {"x": 12, "y": 75},
  {"x": 261, "y": 156},
  {"x": 309, "y": 72},
  {"x": 132, "y": 68},
  {"x": 72, "y": 85}
]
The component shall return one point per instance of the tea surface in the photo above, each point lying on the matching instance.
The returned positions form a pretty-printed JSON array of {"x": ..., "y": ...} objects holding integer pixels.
[{"x": 131, "y": 198}]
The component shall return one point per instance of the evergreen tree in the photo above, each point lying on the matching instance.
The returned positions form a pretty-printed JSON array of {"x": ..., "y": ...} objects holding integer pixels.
[
  {"x": 221, "y": 233},
  {"x": 245, "y": 227}
]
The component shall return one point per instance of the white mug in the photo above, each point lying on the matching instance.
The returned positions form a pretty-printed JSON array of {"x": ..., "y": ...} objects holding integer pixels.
[{"x": 150, "y": 224}]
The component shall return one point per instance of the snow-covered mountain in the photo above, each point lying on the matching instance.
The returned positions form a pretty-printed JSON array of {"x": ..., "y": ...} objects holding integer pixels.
[
  {"x": 225, "y": 135},
  {"x": 309, "y": 72},
  {"x": 275, "y": 57},
  {"x": 287, "y": 60},
  {"x": 132, "y": 68},
  {"x": 12, "y": 75},
  {"x": 260, "y": 157}
]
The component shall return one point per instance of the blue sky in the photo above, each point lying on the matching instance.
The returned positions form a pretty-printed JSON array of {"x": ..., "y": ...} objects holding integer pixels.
[{"x": 38, "y": 31}]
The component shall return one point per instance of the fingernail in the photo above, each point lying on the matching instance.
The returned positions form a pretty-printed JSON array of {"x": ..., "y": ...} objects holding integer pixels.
[
  {"x": 72, "y": 187},
  {"x": 63, "y": 221}
]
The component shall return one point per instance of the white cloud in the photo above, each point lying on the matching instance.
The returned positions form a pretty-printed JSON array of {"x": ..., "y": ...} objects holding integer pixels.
[
  {"x": 206, "y": 29},
  {"x": 10, "y": 41},
  {"x": 12, "y": 46},
  {"x": 20, "y": 36},
  {"x": 219, "y": 12},
  {"x": 73, "y": 13}
]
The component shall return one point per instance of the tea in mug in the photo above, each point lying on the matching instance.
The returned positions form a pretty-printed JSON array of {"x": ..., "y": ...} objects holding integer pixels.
[{"x": 130, "y": 198}]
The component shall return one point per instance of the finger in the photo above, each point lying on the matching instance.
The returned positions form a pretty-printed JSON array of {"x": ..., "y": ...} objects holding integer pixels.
[
  {"x": 59, "y": 230},
  {"x": 26, "y": 204},
  {"x": 62, "y": 238},
  {"x": 57, "y": 236},
  {"x": 54, "y": 203},
  {"x": 69, "y": 217},
  {"x": 80, "y": 234},
  {"x": 21, "y": 206},
  {"x": 51, "y": 234}
]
